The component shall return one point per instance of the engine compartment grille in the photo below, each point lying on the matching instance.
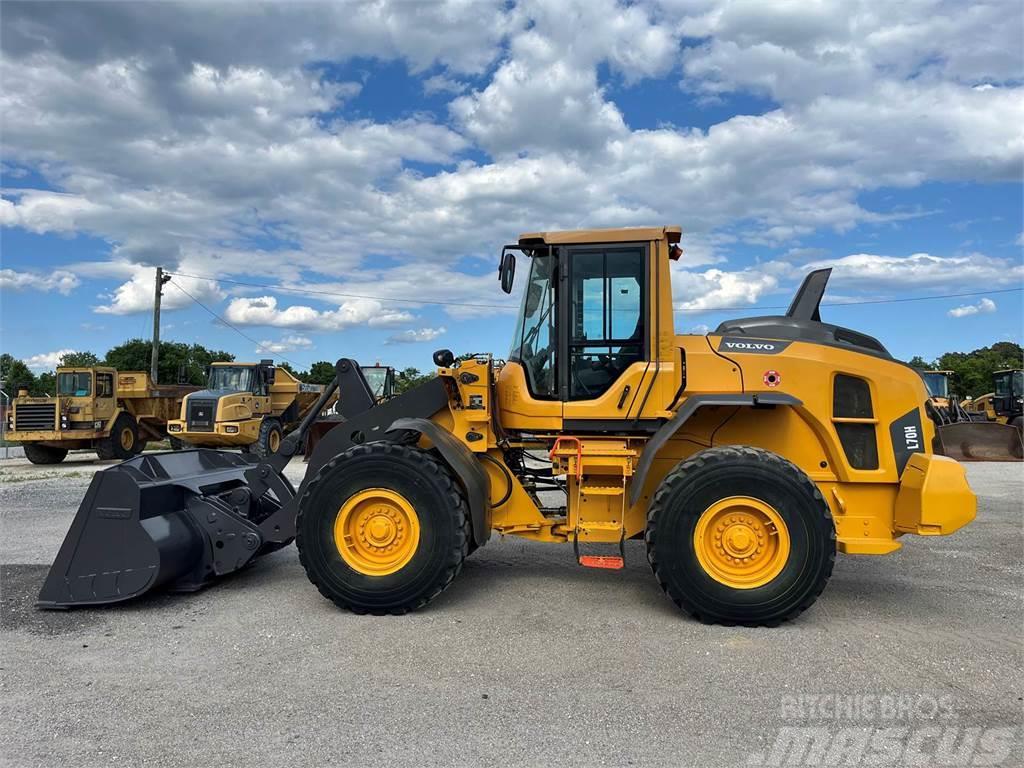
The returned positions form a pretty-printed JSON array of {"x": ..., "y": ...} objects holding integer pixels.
[
  {"x": 35, "y": 416},
  {"x": 201, "y": 415}
]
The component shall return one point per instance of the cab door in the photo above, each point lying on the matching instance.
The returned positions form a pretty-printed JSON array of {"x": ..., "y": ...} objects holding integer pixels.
[
  {"x": 105, "y": 395},
  {"x": 605, "y": 336}
]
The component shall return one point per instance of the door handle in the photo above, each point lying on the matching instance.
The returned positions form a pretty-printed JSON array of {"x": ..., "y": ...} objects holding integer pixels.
[{"x": 623, "y": 396}]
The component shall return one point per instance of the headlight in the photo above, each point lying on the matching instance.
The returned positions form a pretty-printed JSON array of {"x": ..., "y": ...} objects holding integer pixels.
[
  {"x": 63, "y": 422},
  {"x": 231, "y": 430},
  {"x": 174, "y": 427}
]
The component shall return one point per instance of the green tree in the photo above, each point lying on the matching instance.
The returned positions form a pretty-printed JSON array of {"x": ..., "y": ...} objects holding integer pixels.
[
  {"x": 972, "y": 371},
  {"x": 917, "y": 362},
  {"x": 15, "y": 375},
  {"x": 46, "y": 384},
  {"x": 320, "y": 372},
  {"x": 78, "y": 360},
  {"x": 178, "y": 361},
  {"x": 408, "y": 378}
]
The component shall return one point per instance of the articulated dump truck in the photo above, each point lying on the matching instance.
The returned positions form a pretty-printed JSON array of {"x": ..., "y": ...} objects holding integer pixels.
[
  {"x": 744, "y": 459},
  {"x": 245, "y": 405},
  {"x": 114, "y": 413}
]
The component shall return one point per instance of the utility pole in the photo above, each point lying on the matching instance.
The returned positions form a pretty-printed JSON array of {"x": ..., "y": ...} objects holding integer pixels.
[{"x": 154, "y": 359}]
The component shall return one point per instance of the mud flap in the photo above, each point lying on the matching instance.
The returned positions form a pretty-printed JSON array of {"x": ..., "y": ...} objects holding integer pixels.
[
  {"x": 979, "y": 441},
  {"x": 172, "y": 520}
]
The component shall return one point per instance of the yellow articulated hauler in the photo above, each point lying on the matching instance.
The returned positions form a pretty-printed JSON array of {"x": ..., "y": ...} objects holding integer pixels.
[
  {"x": 246, "y": 405},
  {"x": 744, "y": 459}
]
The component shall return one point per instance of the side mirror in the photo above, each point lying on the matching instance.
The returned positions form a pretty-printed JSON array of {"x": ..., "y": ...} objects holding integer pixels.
[
  {"x": 271, "y": 373},
  {"x": 507, "y": 270}
]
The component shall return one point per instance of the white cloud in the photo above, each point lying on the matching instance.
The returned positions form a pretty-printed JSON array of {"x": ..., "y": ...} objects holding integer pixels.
[
  {"x": 442, "y": 84},
  {"x": 47, "y": 361},
  {"x": 60, "y": 280},
  {"x": 715, "y": 288},
  {"x": 136, "y": 295},
  {"x": 412, "y": 336},
  {"x": 919, "y": 271},
  {"x": 983, "y": 307},
  {"x": 263, "y": 311},
  {"x": 285, "y": 344}
]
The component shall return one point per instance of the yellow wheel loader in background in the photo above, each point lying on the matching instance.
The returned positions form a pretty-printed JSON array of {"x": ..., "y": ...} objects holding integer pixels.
[
  {"x": 744, "y": 459},
  {"x": 246, "y": 405},
  {"x": 968, "y": 431},
  {"x": 1005, "y": 404},
  {"x": 114, "y": 413}
]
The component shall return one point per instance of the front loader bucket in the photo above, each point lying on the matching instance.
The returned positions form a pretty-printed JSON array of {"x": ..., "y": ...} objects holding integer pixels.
[
  {"x": 979, "y": 441},
  {"x": 169, "y": 520}
]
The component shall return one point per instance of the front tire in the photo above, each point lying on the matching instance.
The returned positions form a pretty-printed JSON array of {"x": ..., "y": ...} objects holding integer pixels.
[
  {"x": 123, "y": 441},
  {"x": 44, "y": 454},
  {"x": 382, "y": 528},
  {"x": 739, "y": 535},
  {"x": 269, "y": 441}
]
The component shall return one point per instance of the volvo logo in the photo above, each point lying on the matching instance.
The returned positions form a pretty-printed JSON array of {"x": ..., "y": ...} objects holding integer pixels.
[
  {"x": 752, "y": 346},
  {"x": 749, "y": 345}
]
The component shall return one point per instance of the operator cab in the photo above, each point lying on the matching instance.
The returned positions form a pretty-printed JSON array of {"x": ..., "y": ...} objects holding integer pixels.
[
  {"x": 586, "y": 312},
  {"x": 255, "y": 378}
]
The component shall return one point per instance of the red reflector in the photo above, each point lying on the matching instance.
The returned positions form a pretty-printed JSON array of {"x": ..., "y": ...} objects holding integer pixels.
[{"x": 612, "y": 562}]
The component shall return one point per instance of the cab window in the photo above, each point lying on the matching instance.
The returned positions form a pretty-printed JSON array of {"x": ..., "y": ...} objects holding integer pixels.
[
  {"x": 74, "y": 384},
  {"x": 104, "y": 385},
  {"x": 535, "y": 341},
  {"x": 607, "y": 329}
]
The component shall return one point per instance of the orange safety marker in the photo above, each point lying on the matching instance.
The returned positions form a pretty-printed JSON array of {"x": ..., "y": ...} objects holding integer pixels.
[{"x": 612, "y": 562}]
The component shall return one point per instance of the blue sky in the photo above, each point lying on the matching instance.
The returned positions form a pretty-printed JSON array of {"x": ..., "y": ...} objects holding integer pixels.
[{"x": 374, "y": 159}]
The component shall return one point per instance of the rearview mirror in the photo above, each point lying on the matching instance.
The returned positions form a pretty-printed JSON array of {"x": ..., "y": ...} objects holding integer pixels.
[{"x": 507, "y": 270}]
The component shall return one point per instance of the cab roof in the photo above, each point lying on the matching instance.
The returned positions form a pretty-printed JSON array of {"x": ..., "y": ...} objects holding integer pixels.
[{"x": 621, "y": 235}]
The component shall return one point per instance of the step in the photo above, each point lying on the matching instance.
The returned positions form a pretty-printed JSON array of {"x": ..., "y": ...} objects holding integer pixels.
[
  {"x": 609, "y": 562},
  {"x": 602, "y": 490}
]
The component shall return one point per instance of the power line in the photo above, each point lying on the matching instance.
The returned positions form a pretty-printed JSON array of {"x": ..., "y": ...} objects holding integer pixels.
[
  {"x": 337, "y": 294},
  {"x": 260, "y": 347},
  {"x": 859, "y": 303},
  {"x": 314, "y": 292}
]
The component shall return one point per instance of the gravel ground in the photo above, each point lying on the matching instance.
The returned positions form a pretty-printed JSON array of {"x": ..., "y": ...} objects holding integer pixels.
[{"x": 526, "y": 660}]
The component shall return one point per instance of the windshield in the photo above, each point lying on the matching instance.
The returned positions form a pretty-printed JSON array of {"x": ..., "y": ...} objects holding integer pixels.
[
  {"x": 937, "y": 384},
  {"x": 230, "y": 378},
  {"x": 534, "y": 345},
  {"x": 74, "y": 384},
  {"x": 376, "y": 377}
]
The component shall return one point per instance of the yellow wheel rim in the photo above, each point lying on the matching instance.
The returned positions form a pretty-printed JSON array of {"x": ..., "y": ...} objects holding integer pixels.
[
  {"x": 376, "y": 532},
  {"x": 275, "y": 441},
  {"x": 741, "y": 542},
  {"x": 127, "y": 439}
]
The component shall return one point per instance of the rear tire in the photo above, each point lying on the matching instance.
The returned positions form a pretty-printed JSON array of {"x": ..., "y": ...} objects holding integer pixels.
[
  {"x": 382, "y": 470},
  {"x": 44, "y": 454},
  {"x": 696, "y": 499},
  {"x": 123, "y": 441},
  {"x": 269, "y": 441}
]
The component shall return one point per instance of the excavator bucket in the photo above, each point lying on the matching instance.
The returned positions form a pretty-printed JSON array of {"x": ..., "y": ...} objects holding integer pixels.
[
  {"x": 979, "y": 441},
  {"x": 169, "y": 520}
]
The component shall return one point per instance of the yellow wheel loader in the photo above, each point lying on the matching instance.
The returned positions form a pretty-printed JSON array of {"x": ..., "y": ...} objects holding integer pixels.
[
  {"x": 1005, "y": 404},
  {"x": 246, "y": 405},
  {"x": 744, "y": 459},
  {"x": 968, "y": 431}
]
